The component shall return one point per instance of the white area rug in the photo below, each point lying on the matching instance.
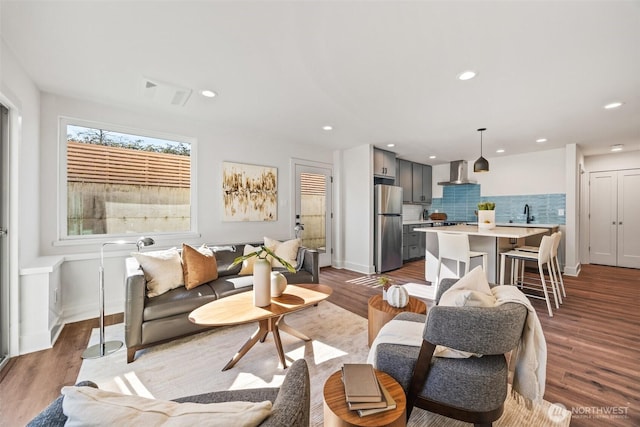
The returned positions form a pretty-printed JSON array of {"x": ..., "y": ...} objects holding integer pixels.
[{"x": 193, "y": 364}]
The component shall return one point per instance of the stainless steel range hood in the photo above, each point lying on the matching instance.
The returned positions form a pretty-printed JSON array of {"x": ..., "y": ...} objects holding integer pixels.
[{"x": 457, "y": 174}]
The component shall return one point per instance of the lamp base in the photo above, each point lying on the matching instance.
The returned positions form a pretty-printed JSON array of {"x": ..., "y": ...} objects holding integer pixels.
[{"x": 93, "y": 352}]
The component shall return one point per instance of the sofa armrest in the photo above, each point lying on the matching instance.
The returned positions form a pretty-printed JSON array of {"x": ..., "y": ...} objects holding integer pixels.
[
  {"x": 291, "y": 402},
  {"x": 135, "y": 288},
  {"x": 53, "y": 415},
  {"x": 311, "y": 263}
]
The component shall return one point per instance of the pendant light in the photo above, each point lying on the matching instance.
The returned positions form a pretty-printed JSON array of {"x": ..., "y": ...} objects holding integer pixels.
[{"x": 481, "y": 165}]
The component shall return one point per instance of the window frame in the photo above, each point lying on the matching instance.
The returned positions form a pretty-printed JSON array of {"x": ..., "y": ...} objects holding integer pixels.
[{"x": 63, "y": 238}]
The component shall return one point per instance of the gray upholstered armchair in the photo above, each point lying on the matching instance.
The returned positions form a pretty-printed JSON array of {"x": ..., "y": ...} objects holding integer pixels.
[{"x": 472, "y": 390}]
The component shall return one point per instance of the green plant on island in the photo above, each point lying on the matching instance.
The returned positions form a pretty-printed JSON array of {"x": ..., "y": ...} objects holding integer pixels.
[
  {"x": 486, "y": 206},
  {"x": 262, "y": 253}
]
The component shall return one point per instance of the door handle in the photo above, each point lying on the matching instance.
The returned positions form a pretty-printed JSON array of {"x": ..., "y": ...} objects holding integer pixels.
[
  {"x": 3, "y": 232},
  {"x": 613, "y": 223},
  {"x": 620, "y": 223}
]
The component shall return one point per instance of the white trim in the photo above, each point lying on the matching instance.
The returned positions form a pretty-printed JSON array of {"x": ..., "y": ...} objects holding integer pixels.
[
  {"x": 13, "y": 161},
  {"x": 62, "y": 237}
]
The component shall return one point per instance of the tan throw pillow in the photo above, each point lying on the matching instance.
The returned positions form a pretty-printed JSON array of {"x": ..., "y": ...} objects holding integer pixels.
[
  {"x": 162, "y": 270},
  {"x": 287, "y": 250},
  {"x": 199, "y": 266},
  {"x": 90, "y": 406},
  {"x": 247, "y": 264}
]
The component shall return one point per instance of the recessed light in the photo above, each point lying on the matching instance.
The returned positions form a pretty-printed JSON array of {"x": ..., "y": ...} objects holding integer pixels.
[
  {"x": 617, "y": 147},
  {"x": 467, "y": 75},
  {"x": 612, "y": 105},
  {"x": 432, "y": 157},
  {"x": 327, "y": 127},
  {"x": 208, "y": 93},
  {"x": 391, "y": 145},
  {"x": 541, "y": 140},
  {"x": 500, "y": 150}
]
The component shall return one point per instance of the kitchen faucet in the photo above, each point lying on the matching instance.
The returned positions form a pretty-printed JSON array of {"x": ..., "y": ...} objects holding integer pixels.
[{"x": 527, "y": 212}]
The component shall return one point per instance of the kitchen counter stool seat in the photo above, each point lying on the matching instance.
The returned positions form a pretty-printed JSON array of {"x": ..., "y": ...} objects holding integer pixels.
[
  {"x": 455, "y": 247},
  {"x": 554, "y": 263},
  {"x": 542, "y": 257}
]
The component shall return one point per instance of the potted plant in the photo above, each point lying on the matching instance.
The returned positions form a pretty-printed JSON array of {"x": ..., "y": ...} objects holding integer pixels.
[
  {"x": 486, "y": 215},
  {"x": 262, "y": 273}
]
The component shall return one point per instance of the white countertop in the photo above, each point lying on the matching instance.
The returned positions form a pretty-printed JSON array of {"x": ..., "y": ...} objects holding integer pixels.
[
  {"x": 519, "y": 224},
  {"x": 511, "y": 232}
]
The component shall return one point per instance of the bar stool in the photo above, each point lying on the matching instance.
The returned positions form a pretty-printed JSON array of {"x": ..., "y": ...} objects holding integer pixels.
[
  {"x": 542, "y": 257},
  {"x": 554, "y": 263},
  {"x": 455, "y": 247}
]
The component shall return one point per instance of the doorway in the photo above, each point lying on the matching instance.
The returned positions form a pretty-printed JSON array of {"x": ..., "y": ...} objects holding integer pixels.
[
  {"x": 313, "y": 207},
  {"x": 614, "y": 224},
  {"x": 4, "y": 252}
]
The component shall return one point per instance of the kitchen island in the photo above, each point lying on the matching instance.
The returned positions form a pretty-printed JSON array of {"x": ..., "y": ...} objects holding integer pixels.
[{"x": 493, "y": 242}]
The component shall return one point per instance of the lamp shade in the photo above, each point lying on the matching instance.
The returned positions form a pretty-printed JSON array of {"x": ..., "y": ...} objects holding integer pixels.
[{"x": 482, "y": 164}]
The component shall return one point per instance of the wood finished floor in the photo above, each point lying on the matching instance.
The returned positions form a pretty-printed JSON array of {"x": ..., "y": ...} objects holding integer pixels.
[{"x": 593, "y": 361}]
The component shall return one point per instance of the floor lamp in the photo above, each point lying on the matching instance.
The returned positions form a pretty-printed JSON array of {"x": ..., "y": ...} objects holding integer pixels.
[{"x": 105, "y": 348}]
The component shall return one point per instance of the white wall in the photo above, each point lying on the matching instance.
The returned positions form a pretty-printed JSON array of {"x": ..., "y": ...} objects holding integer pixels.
[
  {"x": 214, "y": 145},
  {"x": 20, "y": 95},
  {"x": 614, "y": 161},
  {"x": 513, "y": 175},
  {"x": 357, "y": 209}
]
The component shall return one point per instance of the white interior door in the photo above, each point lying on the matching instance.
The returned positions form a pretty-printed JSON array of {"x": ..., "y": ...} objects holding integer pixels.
[
  {"x": 629, "y": 218},
  {"x": 614, "y": 223},
  {"x": 313, "y": 208},
  {"x": 603, "y": 218}
]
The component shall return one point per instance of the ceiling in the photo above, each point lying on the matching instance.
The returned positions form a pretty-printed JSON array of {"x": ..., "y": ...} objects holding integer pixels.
[{"x": 378, "y": 72}]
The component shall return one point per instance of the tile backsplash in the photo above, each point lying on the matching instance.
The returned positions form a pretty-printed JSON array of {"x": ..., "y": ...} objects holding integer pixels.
[{"x": 460, "y": 201}]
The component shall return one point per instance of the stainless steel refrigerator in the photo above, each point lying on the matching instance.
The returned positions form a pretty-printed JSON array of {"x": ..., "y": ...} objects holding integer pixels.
[{"x": 388, "y": 227}]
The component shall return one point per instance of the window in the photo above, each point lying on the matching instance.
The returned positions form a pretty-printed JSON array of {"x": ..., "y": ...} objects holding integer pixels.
[{"x": 118, "y": 183}]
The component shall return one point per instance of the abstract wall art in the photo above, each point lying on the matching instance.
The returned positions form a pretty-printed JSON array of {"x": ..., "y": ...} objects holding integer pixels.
[{"x": 249, "y": 192}]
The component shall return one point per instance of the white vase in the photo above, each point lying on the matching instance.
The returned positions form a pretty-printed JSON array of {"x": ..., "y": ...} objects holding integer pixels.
[
  {"x": 397, "y": 296},
  {"x": 486, "y": 219},
  {"x": 278, "y": 283},
  {"x": 384, "y": 294},
  {"x": 261, "y": 283}
]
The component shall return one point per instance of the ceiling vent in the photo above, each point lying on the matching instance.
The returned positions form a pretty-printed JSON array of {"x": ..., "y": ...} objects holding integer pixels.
[{"x": 164, "y": 93}]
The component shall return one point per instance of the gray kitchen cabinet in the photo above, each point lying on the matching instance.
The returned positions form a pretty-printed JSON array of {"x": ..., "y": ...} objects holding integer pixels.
[
  {"x": 413, "y": 242},
  {"x": 384, "y": 163},
  {"x": 405, "y": 239},
  {"x": 421, "y": 182},
  {"x": 405, "y": 174}
]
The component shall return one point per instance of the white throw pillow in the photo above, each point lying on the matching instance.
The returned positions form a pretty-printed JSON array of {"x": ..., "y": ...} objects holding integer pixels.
[
  {"x": 88, "y": 406},
  {"x": 247, "y": 264},
  {"x": 162, "y": 270},
  {"x": 475, "y": 280},
  {"x": 287, "y": 250},
  {"x": 472, "y": 290}
]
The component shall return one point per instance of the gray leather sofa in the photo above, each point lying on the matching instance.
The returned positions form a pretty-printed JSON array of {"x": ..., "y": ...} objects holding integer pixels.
[
  {"x": 150, "y": 321},
  {"x": 291, "y": 401}
]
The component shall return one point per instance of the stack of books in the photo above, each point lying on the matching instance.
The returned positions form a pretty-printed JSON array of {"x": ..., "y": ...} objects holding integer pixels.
[{"x": 364, "y": 392}]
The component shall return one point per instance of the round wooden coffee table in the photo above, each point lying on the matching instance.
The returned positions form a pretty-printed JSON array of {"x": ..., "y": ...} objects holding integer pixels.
[
  {"x": 337, "y": 413},
  {"x": 380, "y": 313}
]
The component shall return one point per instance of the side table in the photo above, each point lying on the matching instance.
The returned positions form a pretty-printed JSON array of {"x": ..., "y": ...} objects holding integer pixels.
[
  {"x": 337, "y": 413},
  {"x": 380, "y": 313}
]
